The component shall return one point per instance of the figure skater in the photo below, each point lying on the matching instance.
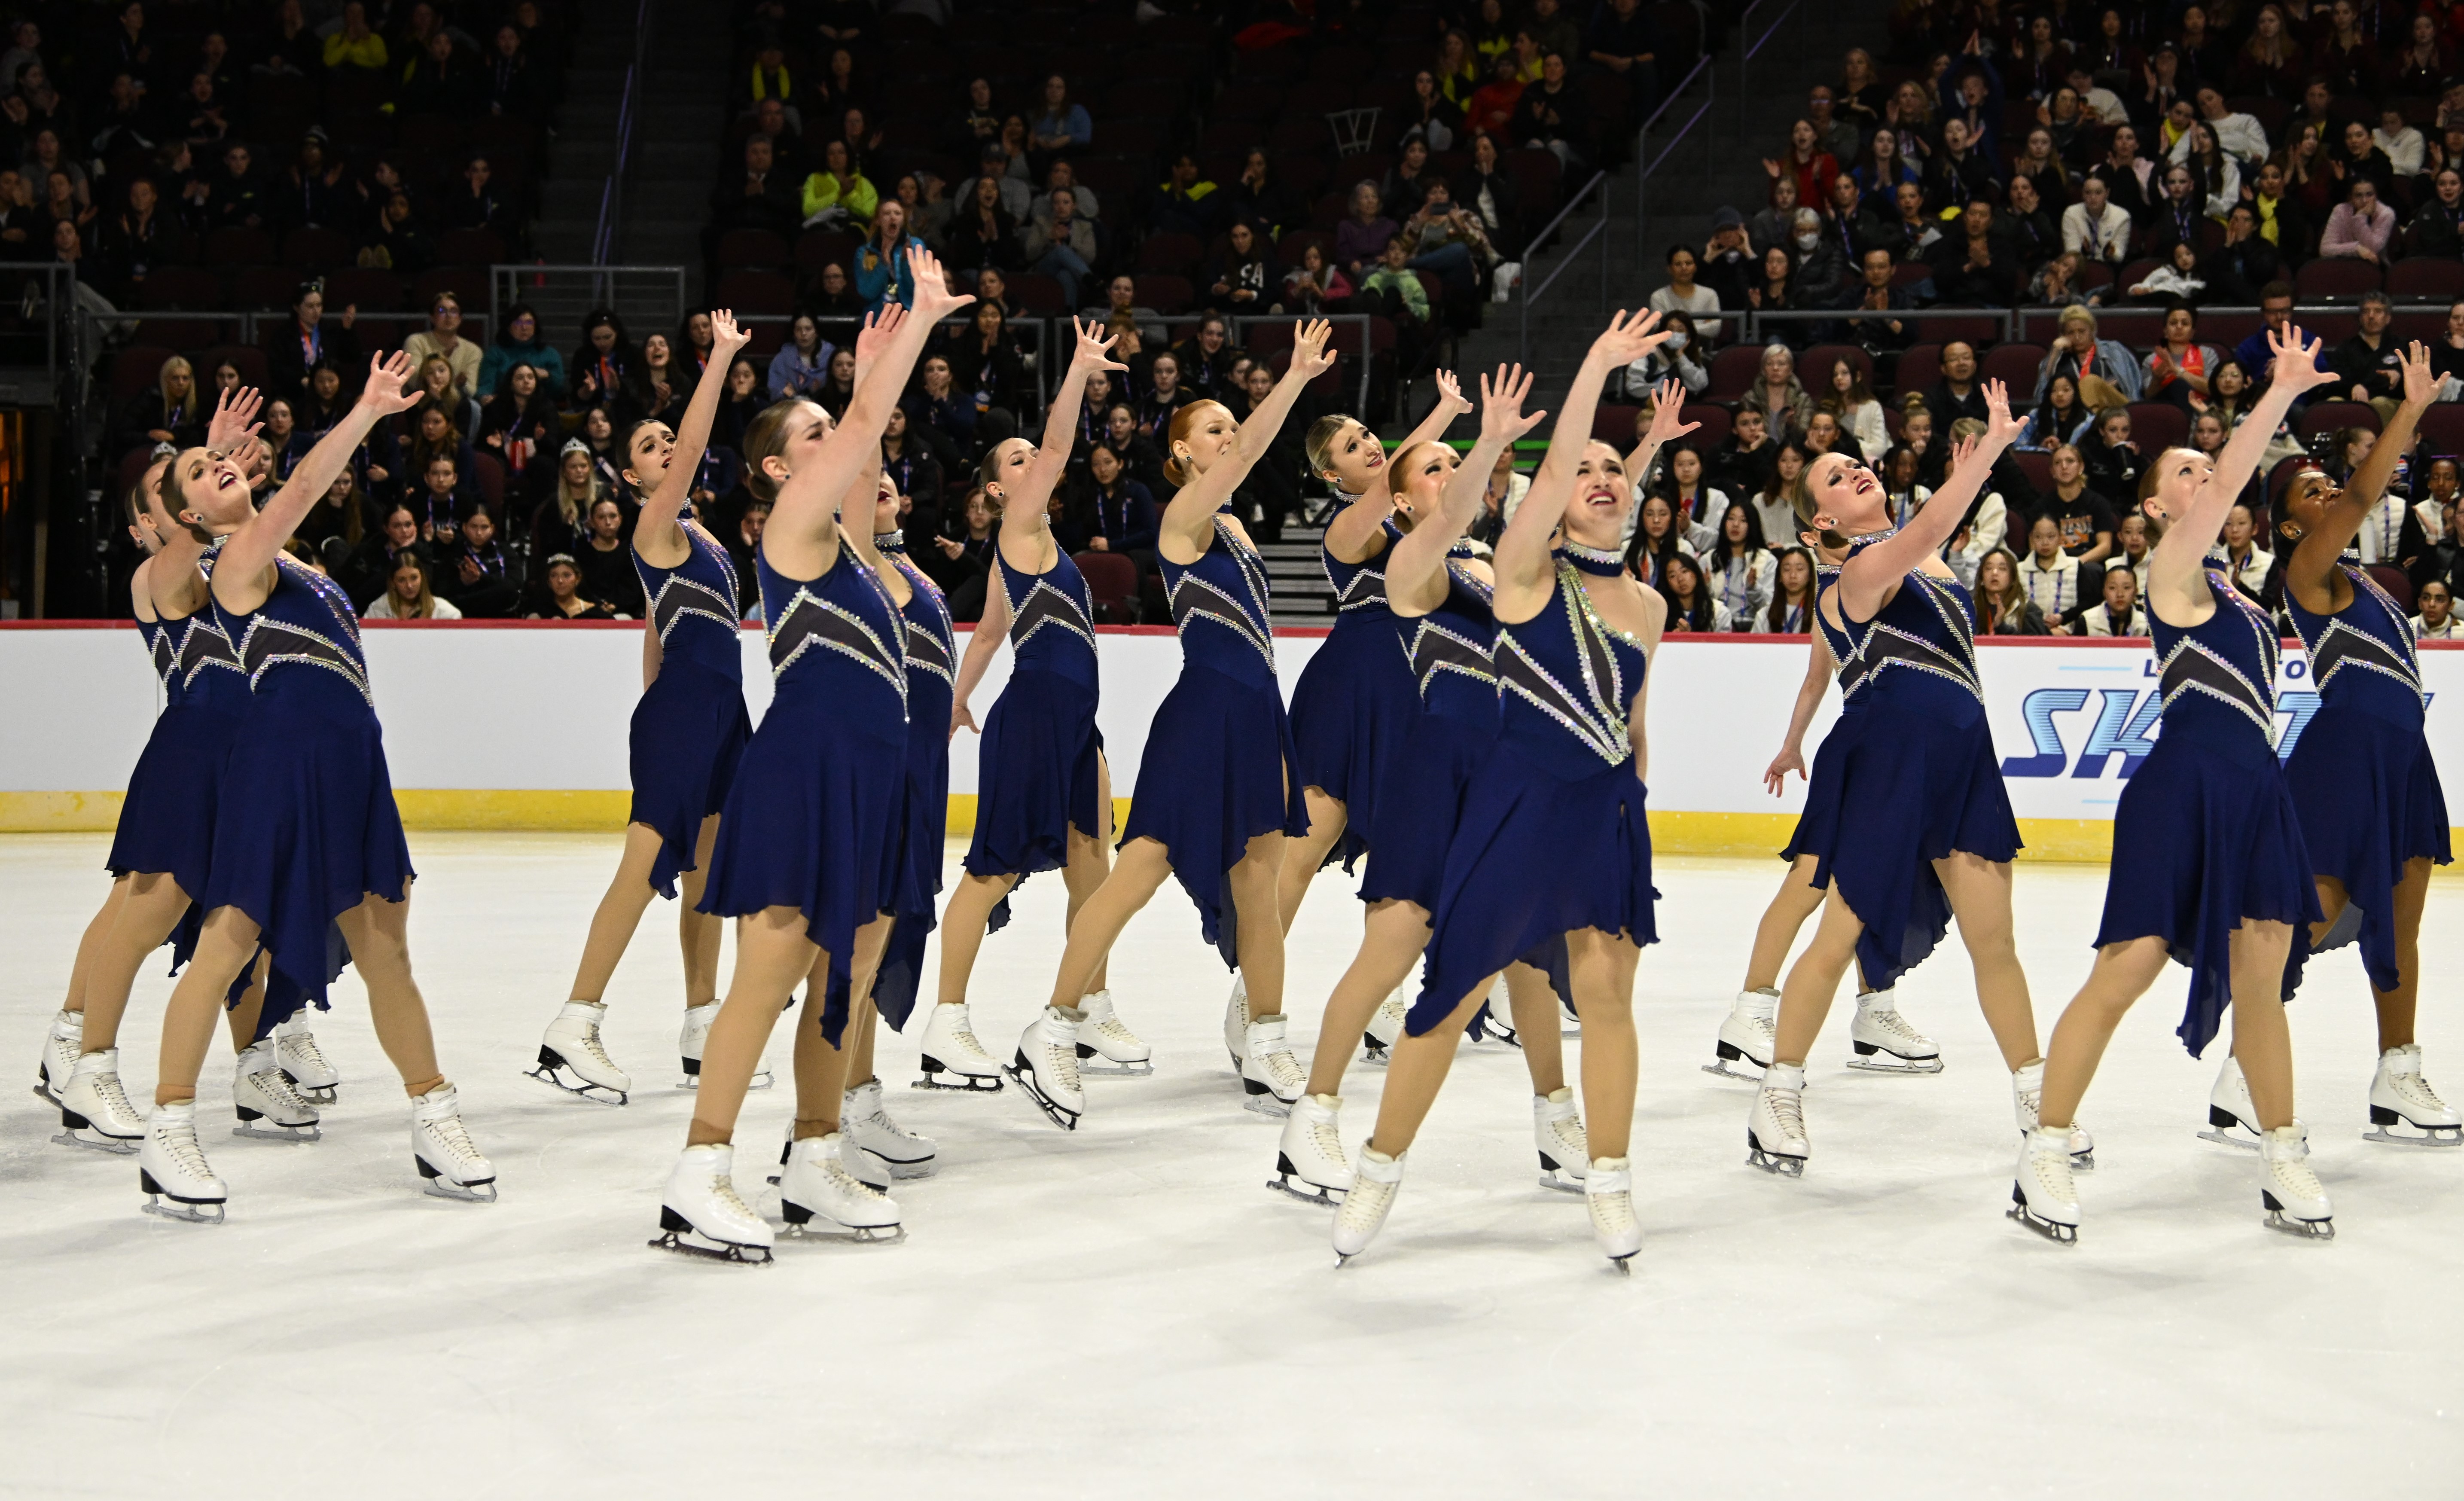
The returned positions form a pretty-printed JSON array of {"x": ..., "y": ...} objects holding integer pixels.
[
  {"x": 2209, "y": 865},
  {"x": 1551, "y": 842},
  {"x": 2373, "y": 815},
  {"x": 810, "y": 839},
  {"x": 1916, "y": 827},
  {"x": 1355, "y": 702},
  {"x": 1043, "y": 795},
  {"x": 688, "y": 732},
  {"x": 1880, "y": 1039},
  {"x": 306, "y": 837},
  {"x": 1216, "y": 794},
  {"x": 1440, "y": 598}
]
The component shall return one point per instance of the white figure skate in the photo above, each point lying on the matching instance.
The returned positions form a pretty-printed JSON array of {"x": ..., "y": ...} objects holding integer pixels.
[
  {"x": 2289, "y": 1191},
  {"x": 2405, "y": 1110},
  {"x": 572, "y": 1058},
  {"x": 1047, "y": 1066},
  {"x": 952, "y": 1059},
  {"x": 449, "y": 1162},
  {"x": 819, "y": 1199},
  {"x": 1107, "y": 1048},
  {"x": 1558, "y": 1131},
  {"x": 1748, "y": 1033},
  {"x": 1271, "y": 1078},
  {"x": 1776, "y": 1136},
  {"x": 62, "y": 1045},
  {"x": 1608, "y": 1191},
  {"x": 95, "y": 1111},
  {"x": 868, "y": 1124},
  {"x": 171, "y": 1165},
  {"x": 1880, "y": 1039},
  {"x": 701, "y": 1215},
  {"x": 303, "y": 1062},
  {"x": 1362, "y": 1214},
  {"x": 2042, "y": 1195},
  {"x": 1310, "y": 1164},
  {"x": 1377, "y": 1040},
  {"x": 691, "y": 1041},
  {"x": 268, "y": 1107}
]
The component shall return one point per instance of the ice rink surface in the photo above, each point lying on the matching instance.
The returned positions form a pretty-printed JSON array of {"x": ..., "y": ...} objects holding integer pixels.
[{"x": 1128, "y": 1310}]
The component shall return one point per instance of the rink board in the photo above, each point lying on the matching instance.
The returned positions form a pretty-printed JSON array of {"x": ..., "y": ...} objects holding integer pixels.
[{"x": 514, "y": 725}]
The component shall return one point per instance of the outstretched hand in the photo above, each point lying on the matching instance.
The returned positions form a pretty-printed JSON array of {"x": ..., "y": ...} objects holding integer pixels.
[
  {"x": 386, "y": 393},
  {"x": 1502, "y": 419},
  {"x": 933, "y": 298},
  {"x": 1450, "y": 394},
  {"x": 2296, "y": 366},
  {"x": 877, "y": 330},
  {"x": 1094, "y": 351},
  {"x": 1311, "y": 356},
  {"x": 726, "y": 336},
  {"x": 1628, "y": 338},
  {"x": 2420, "y": 384},
  {"x": 234, "y": 418},
  {"x": 1668, "y": 413},
  {"x": 2001, "y": 428}
]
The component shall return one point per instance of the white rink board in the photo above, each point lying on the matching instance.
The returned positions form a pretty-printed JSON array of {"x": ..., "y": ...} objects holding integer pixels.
[{"x": 511, "y": 707}]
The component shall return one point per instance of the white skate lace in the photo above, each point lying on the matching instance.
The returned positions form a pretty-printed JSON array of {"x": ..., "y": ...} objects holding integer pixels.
[
  {"x": 852, "y": 1186},
  {"x": 1390, "y": 1010},
  {"x": 1282, "y": 1069},
  {"x": 2052, "y": 1174},
  {"x": 1366, "y": 1205},
  {"x": 1328, "y": 1139},
  {"x": 2031, "y": 1102},
  {"x": 963, "y": 1034},
  {"x": 278, "y": 1088},
  {"x": 879, "y": 1118},
  {"x": 1060, "y": 1061},
  {"x": 1114, "y": 1032},
  {"x": 1613, "y": 1210},
  {"x": 1896, "y": 1024},
  {"x": 2416, "y": 1091},
  {"x": 1568, "y": 1132},
  {"x": 1787, "y": 1109},
  {"x": 2294, "y": 1176},
  {"x": 724, "y": 1189},
  {"x": 598, "y": 1050},
  {"x": 446, "y": 1131},
  {"x": 115, "y": 1100},
  {"x": 302, "y": 1050},
  {"x": 180, "y": 1142}
]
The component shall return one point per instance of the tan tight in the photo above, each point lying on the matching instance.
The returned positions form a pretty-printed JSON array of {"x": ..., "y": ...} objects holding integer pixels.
[
  {"x": 2121, "y": 975},
  {"x": 772, "y": 954},
  {"x": 1601, "y": 966},
  {"x": 972, "y": 901},
  {"x": 1392, "y": 936},
  {"x": 1303, "y": 856},
  {"x": 628, "y": 897},
  {"x": 2395, "y": 1006},
  {"x": 1980, "y": 899},
  {"x": 1140, "y": 872},
  {"x": 97, "y": 933},
  {"x": 150, "y": 905},
  {"x": 1796, "y": 899},
  {"x": 378, "y": 932}
]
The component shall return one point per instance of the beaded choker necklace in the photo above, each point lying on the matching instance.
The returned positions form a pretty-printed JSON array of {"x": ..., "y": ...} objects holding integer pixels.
[
  {"x": 889, "y": 542},
  {"x": 1874, "y": 537},
  {"x": 1606, "y": 561}
]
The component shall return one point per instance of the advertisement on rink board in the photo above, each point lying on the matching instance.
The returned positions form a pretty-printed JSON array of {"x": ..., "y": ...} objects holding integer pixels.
[{"x": 2071, "y": 721}]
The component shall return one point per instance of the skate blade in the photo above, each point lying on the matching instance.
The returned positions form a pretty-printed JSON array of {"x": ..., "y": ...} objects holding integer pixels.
[
  {"x": 1293, "y": 1185},
  {"x": 318, "y": 1093},
  {"x": 2059, "y": 1233},
  {"x": 116, "y": 1146},
  {"x": 1375, "y": 1053},
  {"x": 466, "y": 1193},
  {"x": 1772, "y": 1162},
  {"x": 971, "y": 1083},
  {"x": 742, "y": 1255},
  {"x": 1563, "y": 1185},
  {"x": 2225, "y": 1139},
  {"x": 189, "y": 1213},
  {"x": 2437, "y": 1137},
  {"x": 1726, "y": 1069},
  {"x": 270, "y": 1131},
  {"x": 1265, "y": 1103},
  {"x": 2301, "y": 1229},
  {"x": 846, "y": 1234},
  {"x": 1623, "y": 1266},
  {"x": 760, "y": 1080},
  {"x": 1091, "y": 1068},
  {"x": 909, "y": 1172},
  {"x": 1893, "y": 1063},
  {"x": 1025, "y": 1078},
  {"x": 580, "y": 1089},
  {"x": 2083, "y": 1161},
  {"x": 1498, "y": 1039}
]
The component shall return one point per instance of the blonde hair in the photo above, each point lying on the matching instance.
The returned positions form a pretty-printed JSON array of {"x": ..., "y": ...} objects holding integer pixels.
[
  {"x": 1319, "y": 444},
  {"x": 765, "y": 437},
  {"x": 423, "y": 605},
  {"x": 163, "y": 376}
]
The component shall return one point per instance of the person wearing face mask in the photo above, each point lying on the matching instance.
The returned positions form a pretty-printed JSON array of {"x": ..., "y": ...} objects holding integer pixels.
[
  {"x": 1821, "y": 272},
  {"x": 1677, "y": 358}
]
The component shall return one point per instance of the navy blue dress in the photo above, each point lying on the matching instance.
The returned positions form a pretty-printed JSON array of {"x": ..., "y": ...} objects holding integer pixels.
[
  {"x": 2206, "y": 835},
  {"x": 2362, "y": 773},
  {"x": 1039, "y": 766},
  {"x": 1217, "y": 769},
  {"x": 1354, "y": 702},
  {"x": 932, "y": 647},
  {"x": 815, "y": 819},
  {"x": 166, "y": 821},
  {"x": 690, "y": 729},
  {"x": 317, "y": 831},
  {"x": 1916, "y": 776},
  {"x": 1448, "y": 652},
  {"x": 1553, "y": 837}
]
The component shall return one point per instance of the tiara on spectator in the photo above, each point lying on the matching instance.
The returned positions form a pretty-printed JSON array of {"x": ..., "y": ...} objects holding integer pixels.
[
  {"x": 573, "y": 446},
  {"x": 564, "y": 557}
]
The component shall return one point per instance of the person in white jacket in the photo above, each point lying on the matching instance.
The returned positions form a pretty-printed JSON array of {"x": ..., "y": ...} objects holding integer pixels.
[
  {"x": 2241, "y": 136},
  {"x": 2117, "y": 614},
  {"x": 2437, "y": 620},
  {"x": 1739, "y": 566},
  {"x": 2050, "y": 575},
  {"x": 1845, "y": 395}
]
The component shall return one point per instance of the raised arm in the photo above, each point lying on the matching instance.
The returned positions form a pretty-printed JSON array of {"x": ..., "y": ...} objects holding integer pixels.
[
  {"x": 1523, "y": 551},
  {"x": 1866, "y": 580},
  {"x": 1419, "y": 560},
  {"x": 2310, "y": 574},
  {"x": 1023, "y": 509},
  {"x": 1670, "y": 392},
  {"x": 1352, "y": 535},
  {"x": 2175, "y": 564},
  {"x": 808, "y": 502},
  {"x": 251, "y": 548},
  {"x": 1189, "y": 519},
  {"x": 661, "y": 507}
]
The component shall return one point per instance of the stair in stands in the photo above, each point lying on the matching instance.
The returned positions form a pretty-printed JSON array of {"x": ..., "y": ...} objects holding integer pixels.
[{"x": 676, "y": 145}]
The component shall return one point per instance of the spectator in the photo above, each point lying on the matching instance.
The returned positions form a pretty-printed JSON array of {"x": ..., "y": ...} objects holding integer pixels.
[
  {"x": 839, "y": 194},
  {"x": 1361, "y": 239},
  {"x": 1883, "y": 169},
  {"x": 834, "y": 294},
  {"x": 2177, "y": 370},
  {"x": 1741, "y": 464},
  {"x": 1257, "y": 198},
  {"x": 314, "y": 189},
  {"x": 519, "y": 342},
  {"x": 742, "y": 399},
  {"x": 1313, "y": 286},
  {"x": 2369, "y": 364},
  {"x": 2095, "y": 227},
  {"x": 2438, "y": 228},
  {"x": 1973, "y": 266},
  {"x": 1064, "y": 126},
  {"x": 2362, "y": 228},
  {"x": 1683, "y": 294},
  {"x": 337, "y": 522},
  {"x": 2059, "y": 419},
  {"x": 986, "y": 366},
  {"x": 1489, "y": 196},
  {"x": 310, "y": 339},
  {"x": 802, "y": 363},
  {"x": 237, "y": 198},
  {"x": 1061, "y": 243},
  {"x": 1774, "y": 290},
  {"x": 2252, "y": 569},
  {"x": 1430, "y": 117},
  {"x": 2115, "y": 615},
  {"x": 2051, "y": 579},
  {"x": 1846, "y": 396},
  {"x": 1185, "y": 202},
  {"x": 560, "y": 596},
  {"x": 1407, "y": 181},
  {"x": 1238, "y": 279},
  {"x": 1821, "y": 275},
  {"x": 1677, "y": 358},
  {"x": 606, "y": 361},
  {"x": 2245, "y": 263},
  {"x": 1657, "y": 539},
  {"x": 2083, "y": 520},
  {"x": 478, "y": 577},
  {"x": 1783, "y": 488},
  {"x": 1206, "y": 359},
  {"x": 1550, "y": 114},
  {"x": 882, "y": 275},
  {"x": 2105, "y": 373},
  {"x": 1115, "y": 512},
  {"x": 573, "y": 487},
  {"x": 1695, "y": 506},
  {"x": 1776, "y": 222},
  {"x": 910, "y": 464},
  {"x": 936, "y": 409},
  {"x": 2270, "y": 62},
  {"x": 517, "y": 423},
  {"x": 1777, "y": 393},
  {"x": 1692, "y": 605},
  {"x": 1728, "y": 262},
  {"x": 2109, "y": 455},
  {"x": 2437, "y": 620},
  {"x": 408, "y": 595},
  {"x": 172, "y": 413},
  {"x": 1877, "y": 292},
  {"x": 1915, "y": 232},
  {"x": 443, "y": 339},
  {"x": 981, "y": 232},
  {"x": 761, "y": 196},
  {"x": 1493, "y": 105},
  {"x": 1740, "y": 567},
  {"x": 606, "y": 562},
  {"x": 393, "y": 241},
  {"x": 2003, "y": 607}
]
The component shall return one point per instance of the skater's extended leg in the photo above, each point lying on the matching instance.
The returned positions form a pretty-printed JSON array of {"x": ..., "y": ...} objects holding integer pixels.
[
  {"x": 771, "y": 954},
  {"x": 1797, "y": 899},
  {"x": 1255, "y": 882},
  {"x": 620, "y": 912},
  {"x": 379, "y": 934},
  {"x": 1136, "y": 876},
  {"x": 1813, "y": 979},
  {"x": 2396, "y": 1007},
  {"x": 962, "y": 929},
  {"x": 152, "y": 906},
  {"x": 91, "y": 942},
  {"x": 225, "y": 946},
  {"x": 245, "y": 1017},
  {"x": 2261, "y": 1040},
  {"x": 1602, "y": 966},
  {"x": 1391, "y": 941},
  {"x": 1533, "y": 1003},
  {"x": 1416, "y": 1071},
  {"x": 1979, "y": 891},
  {"x": 2122, "y": 974},
  {"x": 699, "y": 932},
  {"x": 1090, "y": 862}
]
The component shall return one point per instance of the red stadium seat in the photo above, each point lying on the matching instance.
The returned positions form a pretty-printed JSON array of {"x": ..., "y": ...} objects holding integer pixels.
[
  {"x": 2157, "y": 425},
  {"x": 2426, "y": 276},
  {"x": 2336, "y": 279},
  {"x": 137, "y": 368},
  {"x": 2333, "y": 416},
  {"x": 1112, "y": 583},
  {"x": 1732, "y": 372}
]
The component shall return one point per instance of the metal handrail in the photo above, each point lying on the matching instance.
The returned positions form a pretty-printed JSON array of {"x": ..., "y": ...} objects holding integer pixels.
[
  {"x": 1367, "y": 354},
  {"x": 1531, "y": 246},
  {"x": 611, "y": 192},
  {"x": 2015, "y": 320}
]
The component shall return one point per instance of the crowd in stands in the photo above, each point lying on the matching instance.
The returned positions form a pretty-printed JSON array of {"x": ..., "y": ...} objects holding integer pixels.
[{"x": 2137, "y": 192}]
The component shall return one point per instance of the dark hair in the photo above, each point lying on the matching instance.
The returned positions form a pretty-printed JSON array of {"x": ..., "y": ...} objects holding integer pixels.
[
  {"x": 1700, "y": 616},
  {"x": 1721, "y": 554},
  {"x": 1775, "y": 615},
  {"x": 2275, "y": 289}
]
